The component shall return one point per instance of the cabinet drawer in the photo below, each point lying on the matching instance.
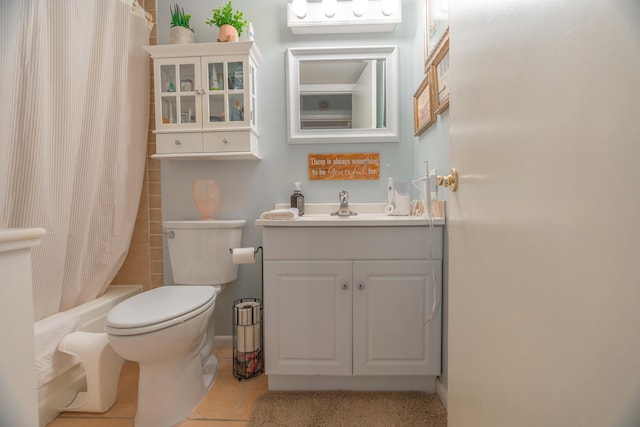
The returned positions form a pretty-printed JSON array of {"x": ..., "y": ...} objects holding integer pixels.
[
  {"x": 217, "y": 142},
  {"x": 179, "y": 143}
]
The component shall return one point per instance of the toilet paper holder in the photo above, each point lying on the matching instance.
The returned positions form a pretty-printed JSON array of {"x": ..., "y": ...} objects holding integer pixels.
[
  {"x": 248, "y": 356},
  {"x": 247, "y": 332},
  {"x": 255, "y": 251}
]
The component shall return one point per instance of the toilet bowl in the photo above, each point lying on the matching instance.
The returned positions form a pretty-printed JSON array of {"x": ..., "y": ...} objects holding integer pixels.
[{"x": 169, "y": 331}]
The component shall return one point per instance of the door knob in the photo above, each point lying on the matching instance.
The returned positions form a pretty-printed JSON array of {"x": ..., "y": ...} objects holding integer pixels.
[
  {"x": 450, "y": 180},
  {"x": 361, "y": 286},
  {"x": 345, "y": 286}
]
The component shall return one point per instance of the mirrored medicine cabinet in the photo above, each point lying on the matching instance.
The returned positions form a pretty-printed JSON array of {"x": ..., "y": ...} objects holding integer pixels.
[{"x": 342, "y": 94}]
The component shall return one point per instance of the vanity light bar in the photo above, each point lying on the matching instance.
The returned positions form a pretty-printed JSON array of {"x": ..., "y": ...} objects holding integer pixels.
[{"x": 374, "y": 16}]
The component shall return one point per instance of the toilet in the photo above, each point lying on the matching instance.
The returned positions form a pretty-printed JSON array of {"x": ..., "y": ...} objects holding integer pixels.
[{"x": 169, "y": 331}]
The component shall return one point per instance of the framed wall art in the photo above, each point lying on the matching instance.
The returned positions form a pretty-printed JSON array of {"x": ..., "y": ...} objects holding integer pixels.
[
  {"x": 439, "y": 67},
  {"x": 436, "y": 24},
  {"x": 423, "y": 111}
]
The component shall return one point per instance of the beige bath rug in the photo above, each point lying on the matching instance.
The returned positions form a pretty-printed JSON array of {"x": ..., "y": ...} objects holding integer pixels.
[{"x": 348, "y": 408}]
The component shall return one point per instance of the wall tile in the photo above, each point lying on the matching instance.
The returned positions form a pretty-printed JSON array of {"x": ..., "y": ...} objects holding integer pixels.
[
  {"x": 146, "y": 241},
  {"x": 156, "y": 267},
  {"x": 155, "y": 227},
  {"x": 155, "y": 201},
  {"x": 156, "y": 280}
]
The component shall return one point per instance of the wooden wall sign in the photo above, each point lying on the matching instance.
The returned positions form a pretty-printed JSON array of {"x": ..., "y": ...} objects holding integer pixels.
[{"x": 344, "y": 166}]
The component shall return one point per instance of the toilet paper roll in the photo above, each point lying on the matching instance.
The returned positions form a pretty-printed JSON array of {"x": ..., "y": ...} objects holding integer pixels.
[
  {"x": 248, "y": 338},
  {"x": 243, "y": 256},
  {"x": 247, "y": 313}
]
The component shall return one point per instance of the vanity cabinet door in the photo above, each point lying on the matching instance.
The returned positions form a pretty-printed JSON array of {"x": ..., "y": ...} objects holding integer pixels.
[
  {"x": 307, "y": 317},
  {"x": 391, "y": 303}
]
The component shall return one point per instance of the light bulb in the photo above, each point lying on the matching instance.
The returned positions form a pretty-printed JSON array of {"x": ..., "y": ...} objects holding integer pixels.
[
  {"x": 359, "y": 7},
  {"x": 329, "y": 7},
  {"x": 389, "y": 6},
  {"x": 299, "y": 8}
]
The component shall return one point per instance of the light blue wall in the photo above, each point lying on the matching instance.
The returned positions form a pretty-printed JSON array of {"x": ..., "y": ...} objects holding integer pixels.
[
  {"x": 433, "y": 145},
  {"x": 251, "y": 187}
]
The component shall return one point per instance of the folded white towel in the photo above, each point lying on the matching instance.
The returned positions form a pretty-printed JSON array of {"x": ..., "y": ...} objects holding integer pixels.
[{"x": 280, "y": 214}]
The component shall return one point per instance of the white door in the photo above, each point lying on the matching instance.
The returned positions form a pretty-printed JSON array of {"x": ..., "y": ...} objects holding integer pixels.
[
  {"x": 544, "y": 231},
  {"x": 392, "y": 301},
  {"x": 307, "y": 317}
]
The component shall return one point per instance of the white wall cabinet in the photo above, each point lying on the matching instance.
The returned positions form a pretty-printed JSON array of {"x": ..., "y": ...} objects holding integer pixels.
[
  {"x": 353, "y": 315},
  {"x": 205, "y": 100}
]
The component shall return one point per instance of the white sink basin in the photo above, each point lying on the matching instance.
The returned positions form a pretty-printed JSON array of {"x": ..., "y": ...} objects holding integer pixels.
[{"x": 369, "y": 215}]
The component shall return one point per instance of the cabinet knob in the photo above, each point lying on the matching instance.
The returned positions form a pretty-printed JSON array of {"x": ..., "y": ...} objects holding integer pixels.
[
  {"x": 225, "y": 141},
  {"x": 345, "y": 286},
  {"x": 177, "y": 142},
  {"x": 361, "y": 286}
]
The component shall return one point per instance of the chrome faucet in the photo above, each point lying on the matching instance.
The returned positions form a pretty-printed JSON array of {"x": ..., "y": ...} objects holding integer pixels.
[{"x": 344, "y": 210}]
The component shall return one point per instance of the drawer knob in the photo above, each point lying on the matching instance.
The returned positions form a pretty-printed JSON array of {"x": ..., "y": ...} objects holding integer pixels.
[
  {"x": 177, "y": 142},
  {"x": 225, "y": 141}
]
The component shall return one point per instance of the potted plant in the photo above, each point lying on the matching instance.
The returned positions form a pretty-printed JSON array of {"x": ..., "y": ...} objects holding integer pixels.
[
  {"x": 229, "y": 22},
  {"x": 180, "y": 31}
]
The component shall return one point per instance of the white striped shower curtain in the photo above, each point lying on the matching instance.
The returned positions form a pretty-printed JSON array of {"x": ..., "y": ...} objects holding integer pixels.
[{"x": 74, "y": 113}]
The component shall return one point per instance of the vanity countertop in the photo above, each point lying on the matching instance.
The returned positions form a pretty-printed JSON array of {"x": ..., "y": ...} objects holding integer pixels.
[{"x": 369, "y": 215}]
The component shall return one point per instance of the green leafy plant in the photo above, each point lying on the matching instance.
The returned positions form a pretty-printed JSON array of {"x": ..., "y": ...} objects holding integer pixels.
[
  {"x": 225, "y": 15},
  {"x": 179, "y": 18}
]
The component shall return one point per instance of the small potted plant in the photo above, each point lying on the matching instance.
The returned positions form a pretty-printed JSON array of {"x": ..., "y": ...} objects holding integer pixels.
[
  {"x": 180, "y": 31},
  {"x": 229, "y": 22}
]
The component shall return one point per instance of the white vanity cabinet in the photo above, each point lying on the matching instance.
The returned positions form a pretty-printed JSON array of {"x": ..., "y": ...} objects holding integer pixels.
[
  {"x": 205, "y": 100},
  {"x": 347, "y": 307}
]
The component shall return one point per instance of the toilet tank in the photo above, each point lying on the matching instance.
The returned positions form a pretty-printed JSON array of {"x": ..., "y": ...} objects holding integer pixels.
[{"x": 199, "y": 250}]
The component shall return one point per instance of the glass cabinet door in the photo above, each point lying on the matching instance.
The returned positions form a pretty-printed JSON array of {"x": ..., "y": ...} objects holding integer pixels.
[
  {"x": 215, "y": 111},
  {"x": 236, "y": 96},
  {"x": 226, "y": 95},
  {"x": 236, "y": 77},
  {"x": 168, "y": 95},
  {"x": 178, "y": 87},
  {"x": 252, "y": 97}
]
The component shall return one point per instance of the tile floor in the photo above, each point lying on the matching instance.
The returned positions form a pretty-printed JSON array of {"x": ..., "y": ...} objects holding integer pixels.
[{"x": 228, "y": 403}]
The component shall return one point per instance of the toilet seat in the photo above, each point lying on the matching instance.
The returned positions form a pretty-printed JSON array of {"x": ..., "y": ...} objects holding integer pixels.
[{"x": 159, "y": 308}]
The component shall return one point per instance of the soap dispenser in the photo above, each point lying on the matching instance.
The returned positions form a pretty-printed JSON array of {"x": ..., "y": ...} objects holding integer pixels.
[{"x": 297, "y": 198}]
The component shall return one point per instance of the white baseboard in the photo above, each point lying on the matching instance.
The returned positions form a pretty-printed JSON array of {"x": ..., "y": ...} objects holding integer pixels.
[{"x": 441, "y": 391}]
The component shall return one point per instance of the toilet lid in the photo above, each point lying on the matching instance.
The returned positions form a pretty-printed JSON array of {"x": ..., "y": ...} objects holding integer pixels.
[{"x": 160, "y": 306}]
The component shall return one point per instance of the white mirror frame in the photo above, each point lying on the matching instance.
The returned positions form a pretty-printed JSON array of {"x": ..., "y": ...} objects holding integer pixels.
[{"x": 298, "y": 136}]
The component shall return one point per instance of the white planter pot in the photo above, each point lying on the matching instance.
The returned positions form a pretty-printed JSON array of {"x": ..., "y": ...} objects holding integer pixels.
[{"x": 180, "y": 35}]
